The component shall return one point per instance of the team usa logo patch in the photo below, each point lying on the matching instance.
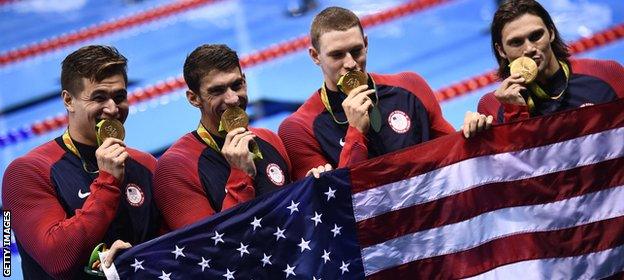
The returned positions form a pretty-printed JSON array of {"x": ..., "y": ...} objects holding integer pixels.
[
  {"x": 134, "y": 195},
  {"x": 399, "y": 121},
  {"x": 275, "y": 173}
]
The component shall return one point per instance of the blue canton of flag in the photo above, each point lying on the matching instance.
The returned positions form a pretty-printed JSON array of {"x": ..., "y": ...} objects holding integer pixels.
[{"x": 304, "y": 231}]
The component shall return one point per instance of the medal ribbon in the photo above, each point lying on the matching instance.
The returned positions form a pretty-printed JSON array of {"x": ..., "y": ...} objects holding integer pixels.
[
  {"x": 325, "y": 100},
  {"x": 70, "y": 145},
  {"x": 540, "y": 94},
  {"x": 207, "y": 138}
]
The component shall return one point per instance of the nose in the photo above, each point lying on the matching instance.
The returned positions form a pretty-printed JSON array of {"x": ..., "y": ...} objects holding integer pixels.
[
  {"x": 110, "y": 109},
  {"x": 349, "y": 62},
  {"x": 529, "y": 49},
  {"x": 231, "y": 98}
]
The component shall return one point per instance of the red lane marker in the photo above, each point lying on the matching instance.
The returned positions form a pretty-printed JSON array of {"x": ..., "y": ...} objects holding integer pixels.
[
  {"x": 174, "y": 83},
  {"x": 454, "y": 90},
  {"x": 98, "y": 30},
  {"x": 480, "y": 81}
]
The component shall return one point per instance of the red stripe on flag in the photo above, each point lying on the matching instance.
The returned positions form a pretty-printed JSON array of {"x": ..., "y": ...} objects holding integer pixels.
[
  {"x": 574, "y": 241},
  {"x": 538, "y": 190},
  {"x": 507, "y": 137}
]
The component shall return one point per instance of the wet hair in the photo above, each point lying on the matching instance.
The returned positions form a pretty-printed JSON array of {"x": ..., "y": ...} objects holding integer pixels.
[
  {"x": 513, "y": 9},
  {"x": 95, "y": 63},
  {"x": 206, "y": 58},
  {"x": 332, "y": 19}
]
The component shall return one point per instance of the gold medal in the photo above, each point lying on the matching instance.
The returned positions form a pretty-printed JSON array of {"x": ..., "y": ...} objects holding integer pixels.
[
  {"x": 526, "y": 67},
  {"x": 351, "y": 80},
  {"x": 109, "y": 128},
  {"x": 234, "y": 117}
]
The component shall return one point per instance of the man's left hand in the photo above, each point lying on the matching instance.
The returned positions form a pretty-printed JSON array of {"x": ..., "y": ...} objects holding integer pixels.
[{"x": 474, "y": 123}]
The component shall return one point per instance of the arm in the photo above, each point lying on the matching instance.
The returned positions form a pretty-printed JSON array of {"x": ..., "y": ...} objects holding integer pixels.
[
  {"x": 438, "y": 125},
  {"x": 354, "y": 149},
  {"x": 178, "y": 192},
  {"x": 59, "y": 244},
  {"x": 303, "y": 150}
]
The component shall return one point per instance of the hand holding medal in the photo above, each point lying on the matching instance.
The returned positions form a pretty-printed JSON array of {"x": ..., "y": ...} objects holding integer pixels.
[{"x": 354, "y": 79}]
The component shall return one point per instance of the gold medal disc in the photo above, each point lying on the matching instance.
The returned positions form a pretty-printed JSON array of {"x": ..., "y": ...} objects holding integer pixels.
[
  {"x": 110, "y": 128},
  {"x": 234, "y": 117},
  {"x": 351, "y": 80},
  {"x": 526, "y": 67}
]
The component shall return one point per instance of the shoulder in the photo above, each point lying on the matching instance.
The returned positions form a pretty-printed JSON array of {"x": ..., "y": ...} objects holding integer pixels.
[
  {"x": 143, "y": 158},
  {"x": 488, "y": 104},
  {"x": 184, "y": 151},
  {"x": 407, "y": 80},
  {"x": 304, "y": 116},
  {"x": 43, "y": 156},
  {"x": 594, "y": 66}
]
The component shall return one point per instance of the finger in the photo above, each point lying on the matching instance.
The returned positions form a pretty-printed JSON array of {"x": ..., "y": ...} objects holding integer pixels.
[
  {"x": 95, "y": 265},
  {"x": 235, "y": 140},
  {"x": 309, "y": 172},
  {"x": 366, "y": 106},
  {"x": 473, "y": 126},
  {"x": 488, "y": 122},
  {"x": 243, "y": 144},
  {"x": 117, "y": 245},
  {"x": 230, "y": 135},
  {"x": 316, "y": 173},
  {"x": 480, "y": 122},
  {"x": 356, "y": 91},
  {"x": 328, "y": 167},
  {"x": 110, "y": 141}
]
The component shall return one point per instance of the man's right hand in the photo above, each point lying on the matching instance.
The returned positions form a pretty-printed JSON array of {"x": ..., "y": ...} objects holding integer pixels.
[
  {"x": 356, "y": 107},
  {"x": 236, "y": 150},
  {"x": 509, "y": 90},
  {"x": 111, "y": 157}
]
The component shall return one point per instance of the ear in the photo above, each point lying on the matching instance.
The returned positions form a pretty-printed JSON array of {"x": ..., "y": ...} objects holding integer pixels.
[
  {"x": 366, "y": 41},
  {"x": 193, "y": 98},
  {"x": 314, "y": 54},
  {"x": 552, "y": 35},
  {"x": 68, "y": 100},
  {"x": 500, "y": 51}
]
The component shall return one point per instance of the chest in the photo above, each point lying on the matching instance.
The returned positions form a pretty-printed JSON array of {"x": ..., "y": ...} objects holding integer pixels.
[{"x": 404, "y": 122}]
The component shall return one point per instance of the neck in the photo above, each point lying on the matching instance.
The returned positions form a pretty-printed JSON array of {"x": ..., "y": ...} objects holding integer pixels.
[
  {"x": 210, "y": 126},
  {"x": 77, "y": 135},
  {"x": 552, "y": 68},
  {"x": 331, "y": 86}
]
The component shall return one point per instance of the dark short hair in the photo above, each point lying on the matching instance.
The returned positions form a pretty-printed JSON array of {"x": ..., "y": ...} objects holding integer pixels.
[
  {"x": 206, "y": 58},
  {"x": 513, "y": 9},
  {"x": 95, "y": 63},
  {"x": 332, "y": 19}
]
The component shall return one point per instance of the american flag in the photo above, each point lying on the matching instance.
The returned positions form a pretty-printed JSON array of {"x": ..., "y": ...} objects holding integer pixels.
[{"x": 537, "y": 199}]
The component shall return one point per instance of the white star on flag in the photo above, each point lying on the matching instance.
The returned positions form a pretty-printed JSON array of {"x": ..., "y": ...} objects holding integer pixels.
[
  {"x": 304, "y": 245},
  {"x": 344, "y": 268},
  {"x": 266, "y": 260},
  {"x": 256, "y": 223},
  {"x": 243, "y": 249},
  {"x": 330, "y": 193},
  {"x": 204, "y": 263},
  {"x": 325, "y": 256},
  {"x": 178, "y": 252},
  {"x": 279, "y": 234},
  {"x": 165, "y": 276},
  {"x": 229, "y": 274},
  {"x": 316, "y": 218},
  {"x": 290, "y": 270},
  {"x": 137, "y": 265},
  {"x": 217, "y": 238},
  {"x": 314, "y": 278},
  {"x": 293, "y": 206},
  {"x": 336, "y": 230}
]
